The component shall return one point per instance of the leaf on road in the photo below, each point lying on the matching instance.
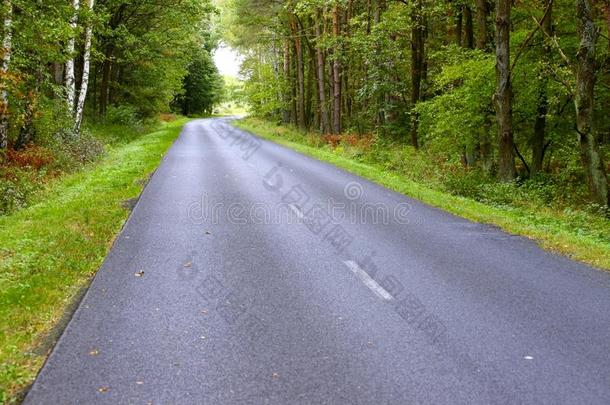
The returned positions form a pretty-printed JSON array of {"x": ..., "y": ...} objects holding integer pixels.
[
  {"x": 188, "y": 264},
  {"x": 94, "y": 352},
  {"x": 139, "y": 273},
  {"x": 103, "y": 389}
]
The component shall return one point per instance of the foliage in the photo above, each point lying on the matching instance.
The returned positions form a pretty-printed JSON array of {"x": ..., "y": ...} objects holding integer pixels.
[
  {"x": 356, "y": 64},
  {"x": 203, "y": 85}
]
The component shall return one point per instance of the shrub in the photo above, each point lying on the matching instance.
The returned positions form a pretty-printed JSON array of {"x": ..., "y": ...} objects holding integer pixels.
[
  {"x": 32, "y": 156},
  {"x": 122, "y": 114},
  {"x": 16, "y": 187}
]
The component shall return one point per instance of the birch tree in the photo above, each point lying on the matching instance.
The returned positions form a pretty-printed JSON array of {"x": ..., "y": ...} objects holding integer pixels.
[
  {"x": 6, "y": 58},
  {"x": 70, "y": 81},
  {"x": 82, "y": 95}
]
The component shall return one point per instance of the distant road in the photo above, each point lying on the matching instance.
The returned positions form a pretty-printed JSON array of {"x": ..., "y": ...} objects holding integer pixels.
[{"x": 251, "y": 274}]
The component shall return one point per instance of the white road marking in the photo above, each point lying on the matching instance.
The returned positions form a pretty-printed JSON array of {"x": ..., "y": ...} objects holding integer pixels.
[
  {"x": 296, "y": 210},
  {"x": 368, "y": 281}
]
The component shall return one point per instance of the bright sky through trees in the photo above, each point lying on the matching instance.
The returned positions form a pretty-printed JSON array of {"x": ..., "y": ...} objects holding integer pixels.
[{"x": 227, "y": 61}]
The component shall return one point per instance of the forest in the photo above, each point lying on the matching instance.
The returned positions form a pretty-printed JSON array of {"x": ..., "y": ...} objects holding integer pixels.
[
  {"x": 70, "y": 69},
  {"x": 490, "y": 94},
  {"x": 495, "y": 111}
]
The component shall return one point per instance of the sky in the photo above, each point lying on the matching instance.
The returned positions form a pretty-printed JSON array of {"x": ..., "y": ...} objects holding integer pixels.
[{"x": 227, "y": 61}]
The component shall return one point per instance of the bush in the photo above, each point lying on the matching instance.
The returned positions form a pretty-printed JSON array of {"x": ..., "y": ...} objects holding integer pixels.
[
  {"x": 123, "y": 114},
  {"x": 32, "y": 156},
  {"x": 16, "y": 187}
]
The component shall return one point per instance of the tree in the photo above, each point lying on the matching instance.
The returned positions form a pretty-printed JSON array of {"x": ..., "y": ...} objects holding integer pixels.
[
  {"x": 324, "y": 119},
  {"x": 417, "y": 63},
  {"x": 69, "y": 75},
  {"x": 82, "y": 94},
  {"x": 336, "y": 71},
  {"x": 584, "y": 104},
  {"x": 538, "y": 139},
  {"x": 504, "y": 93},
  {"x": 351, "y": 66},
  {"x": 7, "y": 36},
  {"x": 202, "y": 85},
  {"x": 482, "y": 11}
]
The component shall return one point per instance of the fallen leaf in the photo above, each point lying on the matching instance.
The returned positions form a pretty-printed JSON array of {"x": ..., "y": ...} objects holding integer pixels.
[
  {"x": 94, "y": 352},
  {"x": 188, "y": 264},
  {"x": 139, "y": 273},
  {"x": 103, "y": 389},
  {"x": 204, "y": 311}
]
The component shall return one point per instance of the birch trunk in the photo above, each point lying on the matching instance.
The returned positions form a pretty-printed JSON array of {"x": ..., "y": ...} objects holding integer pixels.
[
  {"x": 6, "y": 59},
  {"x": 82, "y": 95},
  {"x": 70, "y": 81},
  {"x": 584, "y": 103}
]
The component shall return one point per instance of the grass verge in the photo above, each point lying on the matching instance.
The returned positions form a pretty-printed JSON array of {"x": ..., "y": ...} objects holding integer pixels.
[
  {"x": 50, "y": 250},
  {"x": 576, "y": 234}
]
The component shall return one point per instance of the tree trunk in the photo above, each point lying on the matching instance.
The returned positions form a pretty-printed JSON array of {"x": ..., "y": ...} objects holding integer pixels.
[
  {"x": 459, "y": 18},
  {"x": 417, "y": 64},
  {"x": 287, "y": 92},
  {"x": 336, "y": 73},
  {"x": 298, "y": 48},
  {"x": 7, "y": 42},
  {"x": 70, "y": 81},
  {"x": 543, "y": 103},
  {"x": 82, "y": 95},
  {"x": 503, "y": 97},
  {"x": 607, "y": 15},
  {"x": 105, "y": 85},
  {"x": 468, "y": 29},
  {"x": 482, "y": 11},
  {"x": 584, "y": 103},
  {"x": 485, "y": 144},
  {"x": 27, "y": 130},
  {"x": 324, "y": 120},
  {"x": 310, "y": 89},
  {"x": 381, "y": 115}
]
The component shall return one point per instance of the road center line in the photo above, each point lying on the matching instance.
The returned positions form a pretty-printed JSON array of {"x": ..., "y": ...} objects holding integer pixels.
[
  {"x": 296, "y": 210},
  {"x": 368, "y": 281}
]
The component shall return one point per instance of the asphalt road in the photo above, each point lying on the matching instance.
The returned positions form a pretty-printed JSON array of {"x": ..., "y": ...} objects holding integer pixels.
[{"x": 251, "y": 274}]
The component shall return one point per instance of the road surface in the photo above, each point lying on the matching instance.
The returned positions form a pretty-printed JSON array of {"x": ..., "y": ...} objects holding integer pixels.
[{"x": 251, "y": 274}]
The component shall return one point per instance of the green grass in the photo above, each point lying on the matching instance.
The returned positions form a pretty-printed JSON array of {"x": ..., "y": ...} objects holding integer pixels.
[
  {"x": 575, "y": 233},
  {"x": 50, "y": 250}
]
